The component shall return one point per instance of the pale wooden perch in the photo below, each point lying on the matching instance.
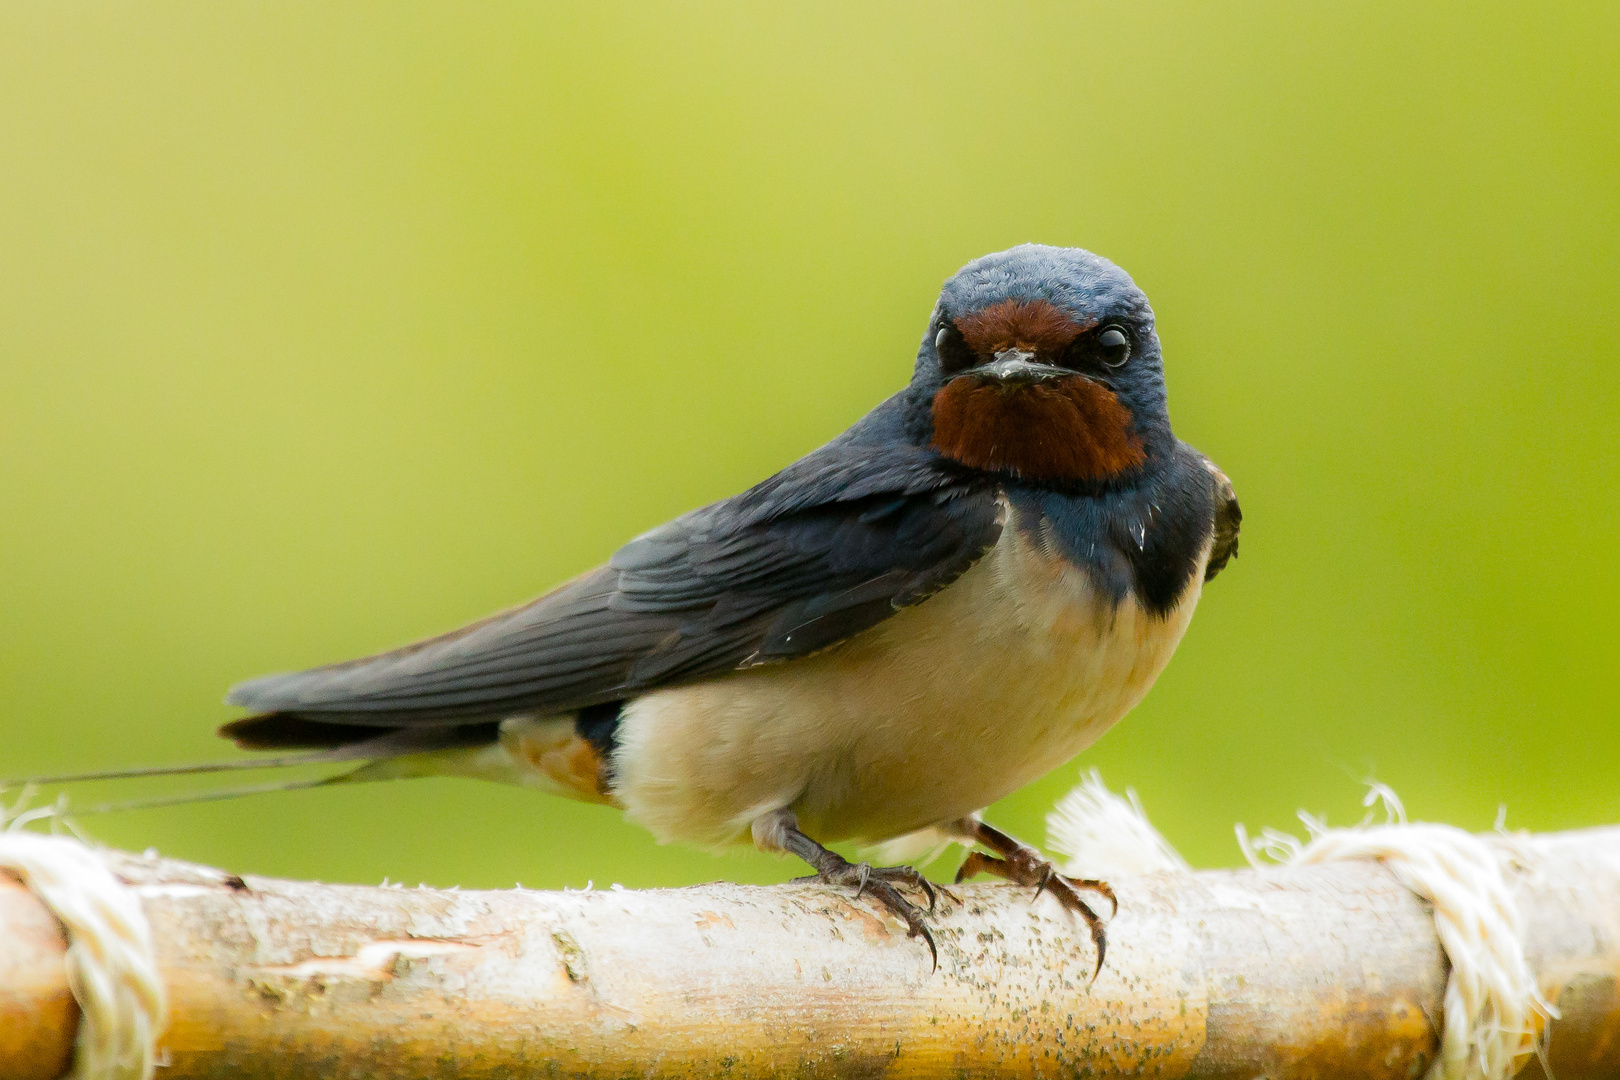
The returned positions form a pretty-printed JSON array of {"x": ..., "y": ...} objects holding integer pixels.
[{"x": 1326, "y": 971}]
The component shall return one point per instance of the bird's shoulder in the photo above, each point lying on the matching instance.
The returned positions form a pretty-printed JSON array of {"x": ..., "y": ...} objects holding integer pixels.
[{"x": 830, "y": 545}]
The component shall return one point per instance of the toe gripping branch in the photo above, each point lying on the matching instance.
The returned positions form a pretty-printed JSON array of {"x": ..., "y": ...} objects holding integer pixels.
[
  {"x": 1023, "y": 865},
  {"x": 882, "y": 883}
]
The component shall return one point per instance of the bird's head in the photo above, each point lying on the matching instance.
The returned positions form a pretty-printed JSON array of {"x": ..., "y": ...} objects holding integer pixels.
[{"x": 1041, "y": 363}]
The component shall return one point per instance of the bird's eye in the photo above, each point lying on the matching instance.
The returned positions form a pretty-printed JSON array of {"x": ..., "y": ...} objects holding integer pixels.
[
  {"x": 954, "y": 352},
  {"x": 1113, "y": 346}
]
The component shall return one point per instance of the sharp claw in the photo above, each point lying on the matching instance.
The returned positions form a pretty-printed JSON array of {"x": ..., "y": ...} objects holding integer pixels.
[
  {"x": 1046, "y": 879},
  {"x": 886, "y": 894},
  {"x": 915, "y": 927},
  {"x": 833, "y": 869},
  {"x": 933, "y": 951},
  {"x": 1023, "y": 865},
  {"x": 880, "y": 884}
]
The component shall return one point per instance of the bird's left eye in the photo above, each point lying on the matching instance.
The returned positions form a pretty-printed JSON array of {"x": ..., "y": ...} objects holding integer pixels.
[
  {"x": 1114, "y": 346},
  {"x": 954, "y": 353}
]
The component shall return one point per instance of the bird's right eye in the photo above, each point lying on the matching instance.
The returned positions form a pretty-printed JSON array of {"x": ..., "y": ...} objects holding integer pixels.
[
  {"x": 954, "y": 352},
  {"x": 1113, "y": 346}
]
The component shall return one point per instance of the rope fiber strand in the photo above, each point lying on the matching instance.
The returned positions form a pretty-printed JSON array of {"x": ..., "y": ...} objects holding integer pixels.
[
  {"x": 1495, "y": 1015},
  {"x": 111, "y": 968}
]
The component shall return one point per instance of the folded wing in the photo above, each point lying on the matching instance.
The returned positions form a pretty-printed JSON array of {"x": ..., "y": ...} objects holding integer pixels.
[{"x": 822, "y": 551}]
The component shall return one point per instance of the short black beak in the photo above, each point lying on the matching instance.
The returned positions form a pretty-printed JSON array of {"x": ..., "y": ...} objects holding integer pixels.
[{"x": 1014, "y": 367}]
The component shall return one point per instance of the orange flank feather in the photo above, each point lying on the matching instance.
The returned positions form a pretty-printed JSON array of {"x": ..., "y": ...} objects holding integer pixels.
[
  {"x": 1066, "y": 429},
  {"x": 1037, "y": 326},
  {"x": 568, "y": 761}
]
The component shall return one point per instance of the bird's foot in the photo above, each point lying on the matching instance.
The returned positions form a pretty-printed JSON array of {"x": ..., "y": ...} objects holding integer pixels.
[
  {"x": 1023, "y": 865},
  {"x": 881, "y": 883}
]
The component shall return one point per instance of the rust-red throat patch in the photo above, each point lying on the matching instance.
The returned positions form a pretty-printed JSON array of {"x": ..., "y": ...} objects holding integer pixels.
[{"x": 1064, "y": 429}]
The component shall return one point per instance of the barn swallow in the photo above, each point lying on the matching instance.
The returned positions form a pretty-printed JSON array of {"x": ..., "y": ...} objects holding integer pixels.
[{"x": 947, "y": 601}]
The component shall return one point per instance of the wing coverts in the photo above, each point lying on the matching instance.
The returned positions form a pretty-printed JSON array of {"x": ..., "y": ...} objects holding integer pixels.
[{"x": 823, "y": 550}]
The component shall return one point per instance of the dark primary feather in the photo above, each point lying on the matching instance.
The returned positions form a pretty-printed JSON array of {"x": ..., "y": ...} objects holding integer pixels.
[{"x": 826, "y": 548}]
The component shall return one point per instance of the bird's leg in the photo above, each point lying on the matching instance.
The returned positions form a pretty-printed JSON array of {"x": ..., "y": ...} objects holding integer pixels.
[
  {"x": 779, "y": 831},
  {"x": 1023, "y": 865}
]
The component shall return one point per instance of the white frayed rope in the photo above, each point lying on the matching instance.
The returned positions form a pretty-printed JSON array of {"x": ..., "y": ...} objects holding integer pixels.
[
  {"x": 1494, "y": 1012},
  {"x": 1105, "y": 835},
  {"x": 110, "y": 965}
]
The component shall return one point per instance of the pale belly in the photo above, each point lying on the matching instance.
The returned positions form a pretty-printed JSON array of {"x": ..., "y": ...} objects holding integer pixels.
[{"x": 932, "y": 714}]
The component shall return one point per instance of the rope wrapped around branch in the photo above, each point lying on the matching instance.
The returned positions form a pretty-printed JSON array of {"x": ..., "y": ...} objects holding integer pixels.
[
  {"x": 1308, "y": 969},
  {"x": 1301, "y": 970}
]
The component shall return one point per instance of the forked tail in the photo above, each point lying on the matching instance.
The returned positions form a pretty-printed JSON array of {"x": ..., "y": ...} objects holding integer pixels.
[{"x": 373, "y": 746}]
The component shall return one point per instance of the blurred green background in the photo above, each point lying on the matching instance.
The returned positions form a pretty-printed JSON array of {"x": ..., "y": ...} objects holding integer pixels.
[{"x": 326, "y": 327}]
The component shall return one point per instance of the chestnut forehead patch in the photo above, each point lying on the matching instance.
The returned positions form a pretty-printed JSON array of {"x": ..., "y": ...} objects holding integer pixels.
[{"x": 1039, "y": 325}]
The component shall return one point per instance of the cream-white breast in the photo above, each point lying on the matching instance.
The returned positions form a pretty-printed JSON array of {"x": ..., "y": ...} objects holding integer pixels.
[{"x": 934, "y": 713}]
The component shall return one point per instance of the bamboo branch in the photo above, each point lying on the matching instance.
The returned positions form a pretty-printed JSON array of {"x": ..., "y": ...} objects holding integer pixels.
[{"x": 1324, "y": 971}]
